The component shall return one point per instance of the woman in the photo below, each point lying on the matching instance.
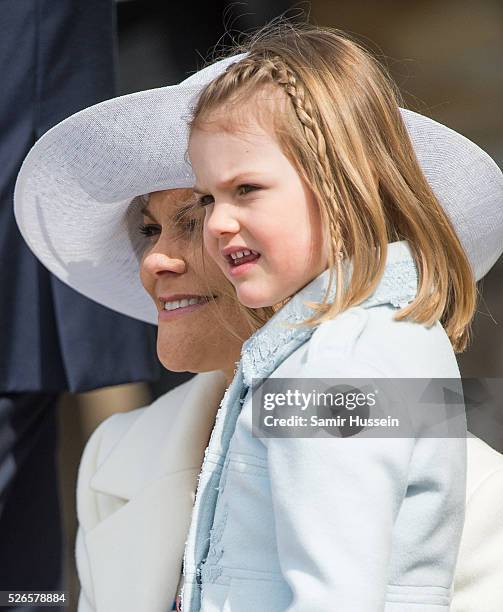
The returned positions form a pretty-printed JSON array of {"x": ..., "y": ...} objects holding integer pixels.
[{"x": 139, "y": 470}]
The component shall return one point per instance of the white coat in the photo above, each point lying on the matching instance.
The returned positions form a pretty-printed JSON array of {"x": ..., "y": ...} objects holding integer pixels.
[{"x": 136, "y": 488}]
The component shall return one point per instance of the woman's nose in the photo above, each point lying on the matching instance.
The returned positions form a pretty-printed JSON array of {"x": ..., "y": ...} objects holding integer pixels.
[
  {"x": 221, "y": 220},
  {"x": 159, "y": 263}
]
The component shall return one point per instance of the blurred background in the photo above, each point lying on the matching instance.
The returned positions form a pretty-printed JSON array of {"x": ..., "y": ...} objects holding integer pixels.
[{"x": 446, "y": 58}]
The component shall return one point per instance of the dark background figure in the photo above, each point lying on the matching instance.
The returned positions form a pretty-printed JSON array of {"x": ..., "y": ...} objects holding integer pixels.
[
  {"x": 161, "y": 43},
  {"x": 55, "y": 59}
]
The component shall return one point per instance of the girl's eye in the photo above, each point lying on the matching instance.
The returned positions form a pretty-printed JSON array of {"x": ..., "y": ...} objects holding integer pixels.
[
  {"x": 244, "y": 189},
  {"x": 148, "y": 229},
  {"x": 205, "y": 200}
]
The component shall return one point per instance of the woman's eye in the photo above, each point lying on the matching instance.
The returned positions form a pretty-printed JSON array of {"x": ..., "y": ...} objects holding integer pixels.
[
  {"x": 149, "y": 230},
  {"x": 244, "y": 189},
  {"x": 205, "y": 200}
]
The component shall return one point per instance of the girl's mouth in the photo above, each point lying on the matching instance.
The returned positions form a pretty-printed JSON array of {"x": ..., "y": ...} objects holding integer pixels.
[{"x": 239, "y": 258}]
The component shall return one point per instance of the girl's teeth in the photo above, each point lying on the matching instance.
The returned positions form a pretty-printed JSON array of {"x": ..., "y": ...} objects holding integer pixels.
[{"x": 239, "y": 254}]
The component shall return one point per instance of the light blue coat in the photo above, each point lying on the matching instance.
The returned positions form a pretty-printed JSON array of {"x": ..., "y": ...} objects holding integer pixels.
[{"x": 356, "y": 524}]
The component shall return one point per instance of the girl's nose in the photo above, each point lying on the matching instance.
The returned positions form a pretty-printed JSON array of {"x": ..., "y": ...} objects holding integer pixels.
[
  {"x": 156, "y": 263},
  {"x": 221, "y": 220}
]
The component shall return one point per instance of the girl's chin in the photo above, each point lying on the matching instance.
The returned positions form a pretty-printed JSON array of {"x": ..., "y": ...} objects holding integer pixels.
[{"x": 255, "y": 299}]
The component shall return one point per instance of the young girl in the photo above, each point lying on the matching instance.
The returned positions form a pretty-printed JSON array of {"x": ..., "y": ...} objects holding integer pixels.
[{"x": 316, "y": 205}]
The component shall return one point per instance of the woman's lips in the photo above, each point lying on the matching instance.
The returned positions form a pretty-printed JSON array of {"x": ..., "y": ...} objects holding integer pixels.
[{"x": 182, "y": 305}]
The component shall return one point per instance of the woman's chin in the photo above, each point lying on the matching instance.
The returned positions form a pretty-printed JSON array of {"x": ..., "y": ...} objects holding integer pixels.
[
  {"x": 189, "y": 352},
  {"x": 178, "y": 352},
  {"x": 175, "y": 364}
]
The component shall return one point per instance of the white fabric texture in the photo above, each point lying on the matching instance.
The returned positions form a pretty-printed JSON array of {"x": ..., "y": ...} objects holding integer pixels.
[
  {"x": 76, "y": 194},
  {"x": 128, "y": 459}
]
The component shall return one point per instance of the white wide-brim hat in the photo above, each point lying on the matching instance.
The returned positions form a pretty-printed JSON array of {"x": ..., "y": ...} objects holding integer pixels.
[{"x": 76, "y": 201}]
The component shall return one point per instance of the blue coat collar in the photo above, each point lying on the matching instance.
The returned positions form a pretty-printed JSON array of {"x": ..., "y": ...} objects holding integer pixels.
[{"x": 273, "y": 342}]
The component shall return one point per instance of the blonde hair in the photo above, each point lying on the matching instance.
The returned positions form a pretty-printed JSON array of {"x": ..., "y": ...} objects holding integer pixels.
[{"x": 344, "y": 133}]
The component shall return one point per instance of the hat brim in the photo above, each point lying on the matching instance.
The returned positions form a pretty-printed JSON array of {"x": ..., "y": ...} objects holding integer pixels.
[{"x": 76, "y": 194}]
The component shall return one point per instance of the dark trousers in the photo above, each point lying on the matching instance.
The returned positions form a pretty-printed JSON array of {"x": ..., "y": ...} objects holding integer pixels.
[
  {"x": 56, "y": 57},
  {"x": 30, "y": 527}
]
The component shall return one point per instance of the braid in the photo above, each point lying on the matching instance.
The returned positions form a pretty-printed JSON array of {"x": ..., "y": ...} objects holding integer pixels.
[{"x": 281, "y": 74}]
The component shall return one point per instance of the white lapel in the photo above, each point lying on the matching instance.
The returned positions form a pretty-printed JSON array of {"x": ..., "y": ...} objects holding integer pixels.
[{"x": 145, "y": 492}]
